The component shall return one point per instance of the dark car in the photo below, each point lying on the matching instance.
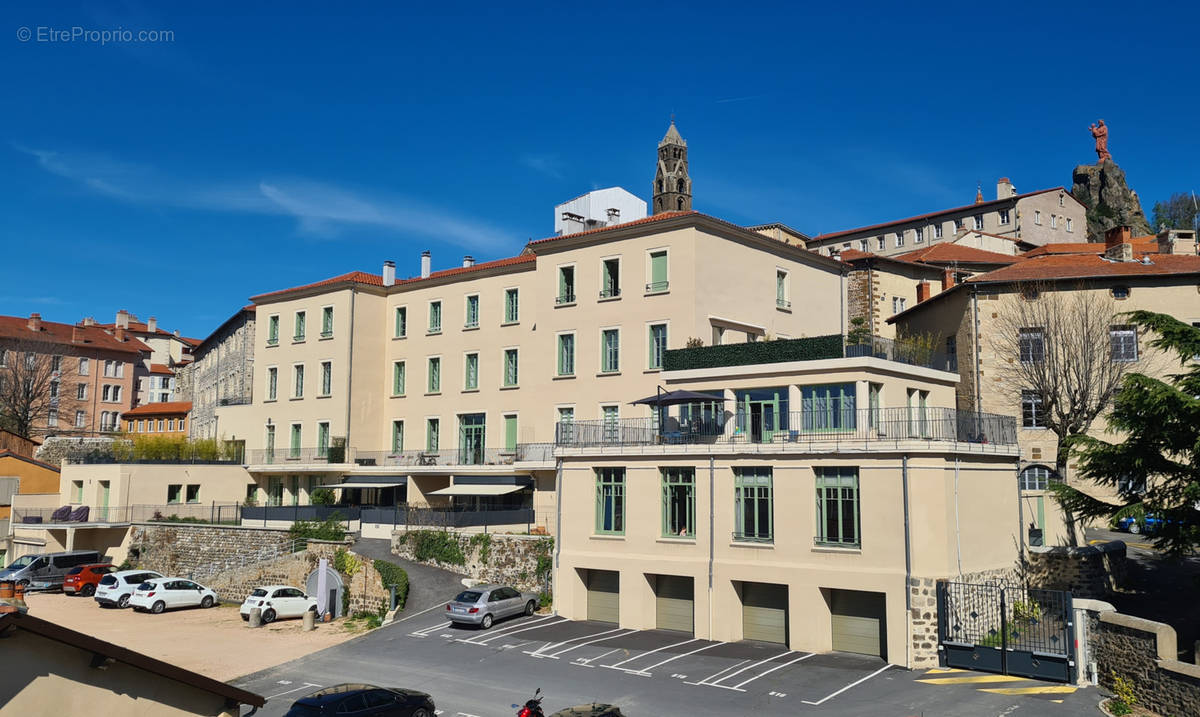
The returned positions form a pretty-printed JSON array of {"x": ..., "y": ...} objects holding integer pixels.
[{"x": 363, "y": 701}]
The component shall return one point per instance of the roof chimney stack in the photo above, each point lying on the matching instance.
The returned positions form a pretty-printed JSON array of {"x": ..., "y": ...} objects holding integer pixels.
[
  {"x": 120, "y": 334},
  {"x": 152, "y": 324},
  {"x": 89, "y": 321},
  {"x": 614, "y": 215},
  {"x": 389, "y": 273},
  {"x": 35, "y": 322},
  {"x": 426, "y": 264},
  {"x": 468, "y": 261},
  {"x": 947, "y": 278},
  {"x": 1005, "y": 189},
  {"x": 923, "y": 291},
  {"x": 1118, "y": 243},
  {"x": 122, "y": 319}
]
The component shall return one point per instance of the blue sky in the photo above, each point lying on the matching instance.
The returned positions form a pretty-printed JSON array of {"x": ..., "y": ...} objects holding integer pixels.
[{"x": 271, "y": 147}]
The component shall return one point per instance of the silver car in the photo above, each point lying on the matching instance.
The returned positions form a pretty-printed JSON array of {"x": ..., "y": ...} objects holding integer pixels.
[{"x": 485, "y": 604}]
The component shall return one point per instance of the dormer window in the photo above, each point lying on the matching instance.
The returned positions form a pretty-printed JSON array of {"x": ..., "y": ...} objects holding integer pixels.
[{"x": 1120, "y": 292}]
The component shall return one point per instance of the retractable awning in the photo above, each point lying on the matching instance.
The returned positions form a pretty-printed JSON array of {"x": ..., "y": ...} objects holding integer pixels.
[
  {"x": 477, "y": 489},
  {"x": 380, "y": 482}
]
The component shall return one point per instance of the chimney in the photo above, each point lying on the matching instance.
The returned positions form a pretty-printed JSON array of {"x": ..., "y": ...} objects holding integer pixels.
[
  {"x": 1005, "y": 189},
  {"x": 123, "y": 319},
  {"x": 120, "y": 334},
  {"x": 947, "y": 278},
  {"x": 426, "y": 264},
  {"x": 89, "y": 321},
  {"x": 76, "y": 336},
  {"x": 468, "y": 261},
  {"x": 923, "y": 291},
  {"x": 614, "y": 215},
  {"x": 389, "y": 273},
  {"x": 1118, "y": 244},
  {"x": 35, "y": 322},
  {"x": 152, "y": 324},
  {"x": 1176, "y": 241}
]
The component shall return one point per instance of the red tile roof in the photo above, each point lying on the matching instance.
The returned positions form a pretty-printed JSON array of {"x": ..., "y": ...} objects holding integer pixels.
[
  {"x": 1088, "y": 266},
  {"x": 354, "y": 277},
  {"x": 191, "y": 341},
  {"x": 946, "y": 253},
  {"x": 93, "y": 337},
  {"x": 159, "y": 409},
  {"x": 920, "y": 217},
  {"x": 636, "y": 222},
  {"x": 1144, "y": 243},
  {"x": 158, "y": 368},
  {"x": 851, "y": 256}
]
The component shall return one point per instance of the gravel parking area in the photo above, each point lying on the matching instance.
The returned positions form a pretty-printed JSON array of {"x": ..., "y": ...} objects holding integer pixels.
[{"x": 214, "y": 642}]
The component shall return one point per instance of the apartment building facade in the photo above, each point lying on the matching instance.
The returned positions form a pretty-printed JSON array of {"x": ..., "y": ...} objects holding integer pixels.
[{"x": 221, "y": 373}]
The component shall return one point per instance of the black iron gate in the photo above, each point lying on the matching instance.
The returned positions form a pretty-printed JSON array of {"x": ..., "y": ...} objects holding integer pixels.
[{"x": 1027, "y": 632}]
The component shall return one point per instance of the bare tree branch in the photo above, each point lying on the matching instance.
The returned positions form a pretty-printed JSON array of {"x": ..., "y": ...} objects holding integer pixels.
[{"x": 28, "y": 377}]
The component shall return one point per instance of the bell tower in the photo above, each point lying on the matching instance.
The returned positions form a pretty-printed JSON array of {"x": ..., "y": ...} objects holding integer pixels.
[{"x": 672, "y": 185}]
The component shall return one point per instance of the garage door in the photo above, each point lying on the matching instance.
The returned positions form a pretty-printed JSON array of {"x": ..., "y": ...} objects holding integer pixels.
[
  {"x": 764, "y": 612},
  {"x": 603, "y": 601},
  {"x": 673, "y": 603},
  {"x": 858, "y": 622}
]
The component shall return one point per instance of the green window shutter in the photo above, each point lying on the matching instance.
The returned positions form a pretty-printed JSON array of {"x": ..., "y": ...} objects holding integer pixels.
[
  {"x": 511, "y": 368},
  {"x": 566, "y": 355},
  {"x": 397, "y": 436},
  {"x": 401, "y": 322},
  {"x": 472, "y": 311},
  {"x": 658, "y": 271},
  {"x": 510, "y": 433},
  {"x": 435, "y": 375},
  {"x": 511, "y": 306},
  {"x": 327, "y": 321},
  {"x": 398, "y": 378},
  {"x": 431, "y": 434},
  {"x": 472, "y": 371}
]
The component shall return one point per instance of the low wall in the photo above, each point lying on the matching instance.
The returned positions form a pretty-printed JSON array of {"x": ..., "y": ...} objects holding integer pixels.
[
  {"x": 1092, "y": 571},
  {"x": 923, "y": 615},
  {"x": 490, "y": 557},
  {"x": 181, "y": 548},
  {"x": 1144, "y": 653}
]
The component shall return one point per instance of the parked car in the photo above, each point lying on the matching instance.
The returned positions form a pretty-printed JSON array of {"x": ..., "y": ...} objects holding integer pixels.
[
  {"x": 117, "y": 588},
  {"x": 1148, "y": 524},
  {"x": 43, "y": 571},
  {"x": 485, "y": 604},
  {"x": 276, "y": 601},
  {"x": 158, "y": 594},
  {"x": 82, "y": 579},
  {"x": 363, "y": 701}
]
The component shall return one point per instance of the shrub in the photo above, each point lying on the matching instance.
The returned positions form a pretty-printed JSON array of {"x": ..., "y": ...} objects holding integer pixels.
[
  {"x": 436, "y": 545},
  {"x": 346, "y": 563},
  {"x": 545, "y": 558},
  {"x": 322, "y": 496},
  {"x": 1027, "y": 611},
  {"x": 483, "y": 542},
  {"x": 806, "y": 349},
  {"x": 1123, "y": 696},
  {"x": 329, "y": 529},
  {"x": 393, "y": 574},
  {"x": 545, "y": 600}
]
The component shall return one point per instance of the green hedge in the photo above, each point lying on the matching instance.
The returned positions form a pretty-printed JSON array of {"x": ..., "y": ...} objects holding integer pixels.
[
  {"x": 779, "y": 351},
  {"x": 439, "y": 545},
  {"x": 393, "y": 574}
]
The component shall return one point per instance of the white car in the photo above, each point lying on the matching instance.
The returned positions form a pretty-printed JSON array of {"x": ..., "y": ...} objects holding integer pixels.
[
  {"x": 116, "y": 588},
  {"x": 276, "y": 601},
  {"x": 160, "y": 594}
]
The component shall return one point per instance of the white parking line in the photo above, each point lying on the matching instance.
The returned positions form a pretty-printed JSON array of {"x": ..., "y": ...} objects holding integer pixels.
[
  {"x": 294, "y": 689},
  {"x": 852, "y": 684},
  {"x": 777, "y": 667},
  {"x": 617, "y": 665},
  {"x": 586, "y": 661},
  {"x": 549, "y": 646},
  {"x": 554, "y": 656},
  {"x": 748, "y": 667},
  {"x": 409, "y": 617},
  {"x": 646, "y": 670},
  {"x": 727, "y": 669},
  {"x": 426, "y": 632},
  {"x": 504, "y": 633}
]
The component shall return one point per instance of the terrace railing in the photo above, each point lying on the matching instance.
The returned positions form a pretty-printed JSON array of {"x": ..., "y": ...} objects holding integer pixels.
[
  {"x": 205, "y": 513},
  {"x": 458, "y": 457},
  {"x": 411, "y": 517},
  {"x": 292, "y": 456}
]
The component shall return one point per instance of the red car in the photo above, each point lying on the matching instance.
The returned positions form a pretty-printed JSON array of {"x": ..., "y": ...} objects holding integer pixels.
[{"x": 82, "y": 579}]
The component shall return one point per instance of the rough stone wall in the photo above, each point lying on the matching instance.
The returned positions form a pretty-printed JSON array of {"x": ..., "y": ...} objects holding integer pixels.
[
  {"x": 858, "y": 299},
  {"x": 492, "y": 558},
  {"x": 1134, "y": 651},
  {"x": 1092, "y": 571},
  {"x": 224, "y": 369},
  {"x": 923, "y": 615},
  {"x": 182, "y": 549}
]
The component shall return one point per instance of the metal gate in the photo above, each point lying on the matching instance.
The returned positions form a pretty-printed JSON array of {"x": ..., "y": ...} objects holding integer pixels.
[{"x": 1027, "y": 632}]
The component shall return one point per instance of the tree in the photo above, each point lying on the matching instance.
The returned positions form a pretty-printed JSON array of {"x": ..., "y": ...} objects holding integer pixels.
[
  {"x": 1179, "y": 212},
  {"x": 28, "y": 386},
  {"x": 1156, "y": 468},
  {"x": 1056, "y": 361}
]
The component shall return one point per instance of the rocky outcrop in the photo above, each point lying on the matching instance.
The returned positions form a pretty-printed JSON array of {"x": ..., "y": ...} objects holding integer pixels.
[{"x": 1109, "y": 200}]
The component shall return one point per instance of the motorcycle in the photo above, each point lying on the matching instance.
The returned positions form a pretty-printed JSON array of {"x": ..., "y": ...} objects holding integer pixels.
[{"x": 533, "y": 706}]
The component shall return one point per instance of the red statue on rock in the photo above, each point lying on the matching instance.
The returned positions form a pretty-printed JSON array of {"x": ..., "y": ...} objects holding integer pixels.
[{"x": 1100, "y": 132}]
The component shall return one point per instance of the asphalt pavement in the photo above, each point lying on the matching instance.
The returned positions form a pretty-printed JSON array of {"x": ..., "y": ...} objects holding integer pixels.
[{"x": 427, "y": 586}]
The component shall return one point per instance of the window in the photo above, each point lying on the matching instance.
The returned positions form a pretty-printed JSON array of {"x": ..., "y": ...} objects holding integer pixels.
[
  {"x": 397, "y": 378},
  {"x": 1120, "y": 292},
  {"x": 900, "y": 238},
  {"x": 56, "y": 363},
  {"x": 566, "y": 285},
  {"x": 610, "y": 279},
  {"x": 898, "y": 303},
  {"x": 1032, "y": 344},
  {"x": 978, "y": 222},
  {"x": 471, "y": 372},
  {"x": 295, "y": 444},
  {"x": 106, "y": 393},
  {"x": 837, "y": 506},
  {"x": 52, "y": 417},
  {"x": 76, "y": 491},
  {"x": 1129, "y": 485},
  {"x": 1054, "y": 221},
  {"x": 1124, "y": 343},
  {"x": 4, "y": 358},
  {"x": 958, "y": 224},
  {"x": 401, "y": 329},
  {"x": 781, "y": 289},
  {"x": 610, "y": 350},
  {"x": 181, "y": 422},
  {"x": 1070, "y": 226},
  {"x": 435, "y": 317},
  {"x": 298, "y": 326},
  {"x": 1031, "y": 410},
  {"x": 327, "y": 322},
  {"x": 326, "y": 378},
  {"x": 472, "y": 312},
  {"x": 754, "y": 518},
  {"x": 1035, "y": 478},
  {"x": 566, "y": 354},
  {"x": 171, "y": 424},
  {"x": 1061, "y": 200},
  {"x": 828, "y": 407},
  {"x": 658, "y": 344},
  {"x": 1004, "y": 216},
  {"x": 1037, "y": 217},
  {"x": 512, "y": 306},
  {"x": 397, "y": 436},
  {"x": 270, "y": 444},
  {"x": 863, "y": 245},
  {"x": 610, "y": 501},
  {"x": 919, "y": 235},
  {"x": 432, "y": 428},
  {"x": 323, "y": 439},
  {"x": 937, "y": 231},
  {"x": 612, "y": 426},
  {"x": 54, "y": 389},
  {"x": 566, "y": 421},
  {"x": 174, "y": 492},
  {"x": 874, "y": 394},
  {"x": 434, "y": 376},
  {"x": 679, "y": 502},
  {"x": 80, "y": 419},
  {"x": 160, "y": 425},
  {"x": 511, "y": 369},
  {"x": 298, "y": 381},
  {"x": 272, "y": 383},
  {"x": 193, "y": 493},
  {"x": 952, "y": 351},
  {"x": 658, "y": 272},
  {"x": 116, "y": 394}
]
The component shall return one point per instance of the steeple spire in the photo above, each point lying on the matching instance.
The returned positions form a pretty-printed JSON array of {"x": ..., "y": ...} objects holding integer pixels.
[{"x": 672, "y": 185}]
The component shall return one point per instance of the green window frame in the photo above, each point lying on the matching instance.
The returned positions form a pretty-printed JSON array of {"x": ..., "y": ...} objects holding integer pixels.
[
  {"x": 610, "y": 281},
  {"x": 754, "y": 505},
  {"x": 272, "y": 383},
  {"x": 471, "y": 372},
  {"x": 828, "y": 408},
  {"x": 510, "y": 432},
  {"x": 610, "y": 501},
  {"x": 434, "y": 384},
  {"x": 275, "y": 490},
  {"x": 323, "y": 439},
  {"x": 838, "y": 506},
  {"x": 472, "y": 312},
  {"x": 174, "y": 493},
  {"x": 326, "y": 378},
  {"x": 270, "y": 452},
  {"x": 432, "y": 433},
  {"x": 294, "y": 490},
  {"x": 658, "y": 272},
  {"x": 297, "y": 432},
  {"x": 273, "y": 330},
  {"x": 397, "y": 436},
  {"x": 435, "y": 317},
  {"x": 781, "y": 297},
  {"x": 566, "y": 285},
  {"x": 76, "y": 491},
  {"x": 398, "y": 378},
  {"x": 401, "y": 328},
  {"x": 298, "y": 326},
  {"x": 611, "y": 416},
  {"x": 918, "y": 412},
  {"x": 566, "y": 354},
  {"x": 566, "y": 423},
  {"x": 874, "y": 393},
  {"x": 326, "y": 322},
  {"x": 192, "y": 493},
  {"x": 610, "y": 350},
  {"x": 511, "y": 367},
  {"x": 678, "y": 502},
  {"x": 512, "y": 306},
  {"x": 298, "y": 381},
  {"x": 658, "y": 345}
]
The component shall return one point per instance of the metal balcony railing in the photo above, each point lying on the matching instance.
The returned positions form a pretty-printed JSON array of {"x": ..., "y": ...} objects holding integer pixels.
[
  {"x": 657, "y": 286},
  {"x": 292, "y": 456},
  {"x": 458, "y": 457},
  {"x": 565, "y": 298},
  {"x": 183, "y": 512}
]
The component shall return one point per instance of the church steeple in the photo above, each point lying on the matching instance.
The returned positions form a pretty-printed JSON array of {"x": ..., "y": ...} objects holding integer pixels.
[{"x": 672, "y": 185}]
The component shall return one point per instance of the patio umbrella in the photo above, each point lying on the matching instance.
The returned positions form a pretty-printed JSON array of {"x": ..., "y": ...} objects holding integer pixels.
[{"x": 674, "y": 398}]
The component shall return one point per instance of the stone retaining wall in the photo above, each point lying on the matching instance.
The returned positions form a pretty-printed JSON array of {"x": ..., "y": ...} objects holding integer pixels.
[
  {"x": 181, "y": 548},
  {"x": 1092, "y": 571},
  {"x": 491, "y": 557},
  {"x": 1144, "y": 653},
  {"x": 923, "y": 616}
]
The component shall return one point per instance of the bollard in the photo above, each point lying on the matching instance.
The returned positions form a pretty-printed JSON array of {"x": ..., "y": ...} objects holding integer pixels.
[
  {"x": 310, "y": 620},
  {"x": 392, "y": 602},
  {"x": 255, "y": 617}
]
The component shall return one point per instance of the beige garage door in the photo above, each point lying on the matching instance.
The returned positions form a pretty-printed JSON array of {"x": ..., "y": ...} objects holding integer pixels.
[
  {"x": 674, "y": 603},
  {"x": 858, "y": 622},
  {"x": 603, "y": 600},
  {"x": 764, "y": 612}
]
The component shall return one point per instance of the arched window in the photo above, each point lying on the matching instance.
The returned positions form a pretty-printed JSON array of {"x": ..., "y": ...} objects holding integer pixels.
[
  {"x": 680, "y": 186},
  {"x": 679, "y": 202},
  {"x": 1036, "y": 478},
  {"x": 660, "y": 186}
]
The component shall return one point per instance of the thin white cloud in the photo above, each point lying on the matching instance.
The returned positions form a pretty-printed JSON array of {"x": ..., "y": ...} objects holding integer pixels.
[
  {"x": 320, "y": 209},
  {"x": 547, "y": 164}
]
